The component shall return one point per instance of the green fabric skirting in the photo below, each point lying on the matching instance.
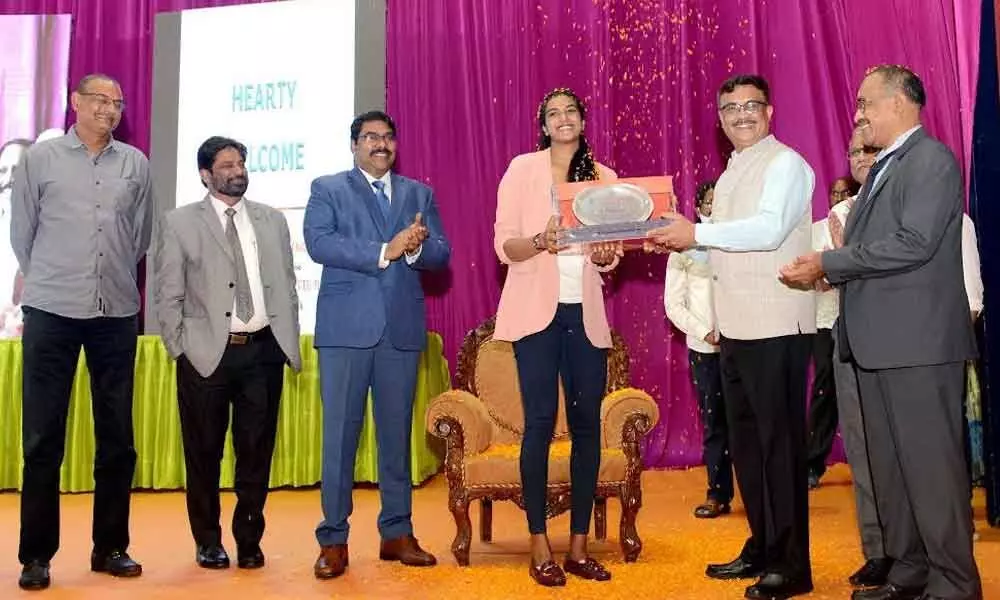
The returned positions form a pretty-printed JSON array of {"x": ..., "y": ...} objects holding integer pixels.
[{"x": 298, "y": 453}]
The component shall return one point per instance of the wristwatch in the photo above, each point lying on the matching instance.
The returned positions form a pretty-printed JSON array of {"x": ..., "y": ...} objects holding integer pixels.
[{"x": 538, "y": 241}]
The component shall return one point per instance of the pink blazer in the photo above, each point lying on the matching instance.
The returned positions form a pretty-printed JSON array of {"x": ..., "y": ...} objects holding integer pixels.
[{"x": 531, "y": 291}]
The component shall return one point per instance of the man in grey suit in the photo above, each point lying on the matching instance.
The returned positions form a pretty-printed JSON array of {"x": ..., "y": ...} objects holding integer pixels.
[
  {"x": 904, "y": 322},
  {"x": 228, "y": 312}
]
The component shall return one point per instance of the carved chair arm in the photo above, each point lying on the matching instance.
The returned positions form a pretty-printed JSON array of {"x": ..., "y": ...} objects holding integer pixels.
[
  {"x": 456, "y": 415},
  {"x": 626, "y": 409}
]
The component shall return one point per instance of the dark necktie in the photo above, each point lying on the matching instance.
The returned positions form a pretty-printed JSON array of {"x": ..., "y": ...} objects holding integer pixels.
[
  {"x": 383, "y": 200},
  {"x": 871, "y": 180},
  {"x": 244, "y": 301}
]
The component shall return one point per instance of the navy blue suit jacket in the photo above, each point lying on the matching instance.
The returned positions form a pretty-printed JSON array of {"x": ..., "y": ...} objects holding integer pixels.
[{"x": 344, "y": 231}]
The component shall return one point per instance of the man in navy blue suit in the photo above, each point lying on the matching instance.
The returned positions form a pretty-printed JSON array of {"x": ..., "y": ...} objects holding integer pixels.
[{"x": 373, "y": 231}]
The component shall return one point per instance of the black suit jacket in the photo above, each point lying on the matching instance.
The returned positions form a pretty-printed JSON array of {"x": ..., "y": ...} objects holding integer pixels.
[{"x": 903, "y": 301}]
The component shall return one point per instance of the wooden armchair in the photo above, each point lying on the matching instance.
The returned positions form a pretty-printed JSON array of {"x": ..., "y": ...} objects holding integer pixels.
[{"x": 482, "y": 423}]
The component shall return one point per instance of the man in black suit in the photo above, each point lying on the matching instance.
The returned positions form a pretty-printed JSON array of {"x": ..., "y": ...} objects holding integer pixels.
[{"x": 904, "y": 323}]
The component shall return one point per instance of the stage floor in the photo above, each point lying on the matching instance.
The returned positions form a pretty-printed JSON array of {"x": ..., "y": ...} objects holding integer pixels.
[{"x": 676, "y": 548}]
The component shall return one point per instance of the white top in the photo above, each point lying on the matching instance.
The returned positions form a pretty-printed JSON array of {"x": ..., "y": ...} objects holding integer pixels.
[
  {"x": 970, "y": 265},
  {"x": 570, "y": 277},
  {"x": 248, "y": 242},
  {"x": 387, "y": 188},
  {"x": 828, "y": 302},
  {"x": 687, "y": 297},
  {"x": 785, "y": 198}
]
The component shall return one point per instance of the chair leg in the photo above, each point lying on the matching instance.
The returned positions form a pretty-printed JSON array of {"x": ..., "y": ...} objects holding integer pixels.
[
  {"x": 463, "y": 531},
  {"x": 486, "y": 520},
  {"x": 631, "y": 500},
  {"x": 601, "y": 518}
]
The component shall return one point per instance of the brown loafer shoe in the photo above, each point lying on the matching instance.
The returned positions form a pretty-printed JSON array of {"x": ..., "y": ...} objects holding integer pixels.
[
  {"x": 587, "y": 569},
  {"x": 332, "y": 561},
  {"x": 406, "y": 550},
  {"x": 711, "y": 509},
  {"x": 548, "y": 574}
]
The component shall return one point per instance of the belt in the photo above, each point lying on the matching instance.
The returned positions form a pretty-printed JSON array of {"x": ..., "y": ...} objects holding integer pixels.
[{"x": 249, "y": 337}]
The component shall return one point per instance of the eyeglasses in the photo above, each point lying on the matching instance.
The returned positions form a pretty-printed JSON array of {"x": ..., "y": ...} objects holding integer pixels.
[
  {"x": 863, "y": 104},
  {"x": 840, "y": 193},
  {"x": 373, "y": 138},
  {"x": 856, "y": 152},
  {"x": 752, "y": 107},
  {"x": 104, "y": 101}
]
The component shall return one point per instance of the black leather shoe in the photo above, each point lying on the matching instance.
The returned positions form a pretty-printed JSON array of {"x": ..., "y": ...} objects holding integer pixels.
[
  {"x": 34, "y": 576},
  {"x": 737, "y": 569},
  {"x": 774, "y": 586},
  {"x": 116, "y": 563},
  {"x": 874, "y": 573},
  {"x": 212, "y": 557},
  {"x": 889, "y": 591},
  {"x": 249, "y": 558}
]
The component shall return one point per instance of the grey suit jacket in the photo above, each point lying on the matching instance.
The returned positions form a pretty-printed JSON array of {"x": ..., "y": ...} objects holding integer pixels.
[
  {"x": 194, "y": 292},
  {"x": 903, "y": 301}
]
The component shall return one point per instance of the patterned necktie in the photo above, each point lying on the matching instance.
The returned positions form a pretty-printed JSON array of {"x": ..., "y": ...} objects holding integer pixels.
[
  {"x": 380, "y": 196},
  {"x": 244, "y": 301}
]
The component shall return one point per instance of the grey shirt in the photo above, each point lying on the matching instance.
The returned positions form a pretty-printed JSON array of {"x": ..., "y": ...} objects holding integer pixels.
[{"x": 80, "y": 224}]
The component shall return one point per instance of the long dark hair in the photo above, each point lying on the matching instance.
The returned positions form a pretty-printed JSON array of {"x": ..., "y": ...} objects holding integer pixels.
[{"x": 582, "y": 166}]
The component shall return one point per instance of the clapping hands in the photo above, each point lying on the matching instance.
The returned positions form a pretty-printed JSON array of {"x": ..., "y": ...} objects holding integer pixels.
[{"x": 408, "y": 240}]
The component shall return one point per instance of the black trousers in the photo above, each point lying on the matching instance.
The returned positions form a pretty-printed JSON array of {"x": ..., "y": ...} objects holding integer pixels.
[
  {"x": 561, "y": 349},
  {"x": 51, "y": 348},
  {"x": 249, "y": 379},
  {"x": 707, "y": 377},
  {"x": 914, "y": 428},
  {"x": 764, "y": 386},
  {"x": 823, "y": 406}
]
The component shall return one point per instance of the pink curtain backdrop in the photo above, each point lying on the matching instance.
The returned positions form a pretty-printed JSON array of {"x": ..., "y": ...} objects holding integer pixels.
[{"x": 464, "y": 78}]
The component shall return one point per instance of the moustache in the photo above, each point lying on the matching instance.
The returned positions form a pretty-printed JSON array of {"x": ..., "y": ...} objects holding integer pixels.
[
  {"x": 862, "y": 124},
  {"x": 743, "y": 122},
  {"x": 384, "y": 152}
]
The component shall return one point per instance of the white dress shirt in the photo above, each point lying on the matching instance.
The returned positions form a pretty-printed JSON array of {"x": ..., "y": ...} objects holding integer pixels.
[
  {"x": 827, "y": 303},
  {"x": 970, "y": 266},
  {"x": 783, "y": 201},
  {"x": 248, "y": 242},
  {"x": 383, "y": 262},
  {"x": 687, "y": 297}
]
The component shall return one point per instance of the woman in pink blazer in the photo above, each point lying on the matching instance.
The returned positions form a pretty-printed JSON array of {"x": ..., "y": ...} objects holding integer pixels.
[{"x": 552, "y": 309}]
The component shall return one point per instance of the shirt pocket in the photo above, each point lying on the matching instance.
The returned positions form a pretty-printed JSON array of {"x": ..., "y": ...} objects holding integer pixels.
[{"x": 124, "y": 193}]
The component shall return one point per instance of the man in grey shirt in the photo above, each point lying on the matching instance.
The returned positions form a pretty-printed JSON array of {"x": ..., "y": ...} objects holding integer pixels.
[{"x": 81, "y": 219}]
